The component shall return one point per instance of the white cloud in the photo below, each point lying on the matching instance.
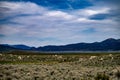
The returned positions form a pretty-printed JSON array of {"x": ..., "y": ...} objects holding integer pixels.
[
  {"x": 59, "y": 14},
  {"x": 64, "y": 26},
  {"x": 12, "y": 9},
  {"x": 98, "y": 11},
  {"x": 90, "y": 11}
]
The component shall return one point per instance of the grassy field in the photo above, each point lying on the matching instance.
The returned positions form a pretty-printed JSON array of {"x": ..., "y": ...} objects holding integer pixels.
[{"x": 26, "y": 65}]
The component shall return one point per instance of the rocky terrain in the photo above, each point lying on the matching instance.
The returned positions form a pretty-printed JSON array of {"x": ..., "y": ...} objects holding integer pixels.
[{"x": 105, "y": 66}]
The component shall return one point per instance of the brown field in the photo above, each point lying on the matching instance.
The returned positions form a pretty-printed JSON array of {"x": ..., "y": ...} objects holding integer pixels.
[{"x": 20, "y": 65}]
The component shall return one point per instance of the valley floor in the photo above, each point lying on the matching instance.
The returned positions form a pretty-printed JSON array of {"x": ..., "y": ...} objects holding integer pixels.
[{"x": 60, "y": 67}]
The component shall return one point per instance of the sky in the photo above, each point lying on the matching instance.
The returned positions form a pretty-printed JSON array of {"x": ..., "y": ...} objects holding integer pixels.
[{"x": 58, "y": 22}]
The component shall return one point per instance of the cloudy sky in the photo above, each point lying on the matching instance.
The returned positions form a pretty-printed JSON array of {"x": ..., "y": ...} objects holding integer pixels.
[{"x": 58, "y": 22}]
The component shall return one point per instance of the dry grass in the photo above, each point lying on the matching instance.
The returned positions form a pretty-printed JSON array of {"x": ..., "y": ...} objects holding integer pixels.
[{"x": 60, "y": 66}]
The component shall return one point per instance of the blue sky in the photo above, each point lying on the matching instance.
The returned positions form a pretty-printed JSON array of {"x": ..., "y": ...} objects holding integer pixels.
[{"x": 58, "y": 22}]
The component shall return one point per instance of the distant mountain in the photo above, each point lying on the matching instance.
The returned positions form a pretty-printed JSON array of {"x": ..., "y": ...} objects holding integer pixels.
[
  {"x": 7, "y": 47},
  {"x": 4, "y": 48},
  {"x": 106, "y": 45},
  {"x": 20, "y": 46}
]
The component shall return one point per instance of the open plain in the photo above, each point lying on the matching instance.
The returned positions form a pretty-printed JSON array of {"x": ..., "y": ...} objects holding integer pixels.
[{"x": 20, "y": 65}]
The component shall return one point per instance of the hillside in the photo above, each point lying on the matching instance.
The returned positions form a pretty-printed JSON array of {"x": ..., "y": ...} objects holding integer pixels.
[{"x": 106, "y": 45}]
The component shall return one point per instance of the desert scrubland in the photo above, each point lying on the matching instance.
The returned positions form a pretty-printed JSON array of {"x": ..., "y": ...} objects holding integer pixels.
[{"x": 83, "y": 66}]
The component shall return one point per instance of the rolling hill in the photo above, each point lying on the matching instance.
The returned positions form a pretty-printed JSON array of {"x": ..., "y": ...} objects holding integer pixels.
[{"x": 106, "y": 45}]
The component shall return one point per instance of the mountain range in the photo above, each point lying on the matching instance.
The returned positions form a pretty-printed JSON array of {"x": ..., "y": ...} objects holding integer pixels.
[{"x": 110, "y": 44}]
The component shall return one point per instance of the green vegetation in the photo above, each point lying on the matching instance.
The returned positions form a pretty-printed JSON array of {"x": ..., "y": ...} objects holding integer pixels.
[
  {"x": 101, "y": 76},
  {"x": 21, "y": 65},
  {"x": 86, "y": 59},
  {"x": 117, "y": 74}
]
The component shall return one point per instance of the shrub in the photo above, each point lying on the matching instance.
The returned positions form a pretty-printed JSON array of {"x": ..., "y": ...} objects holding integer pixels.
[
  {"x": 117, "y": 74},
  {"x": 101, "y": 76}
]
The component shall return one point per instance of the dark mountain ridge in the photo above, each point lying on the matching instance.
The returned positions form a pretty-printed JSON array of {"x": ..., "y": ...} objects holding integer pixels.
[
  {"x": 21, "y": 46},
  {"x": 106, "y": 45}
]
